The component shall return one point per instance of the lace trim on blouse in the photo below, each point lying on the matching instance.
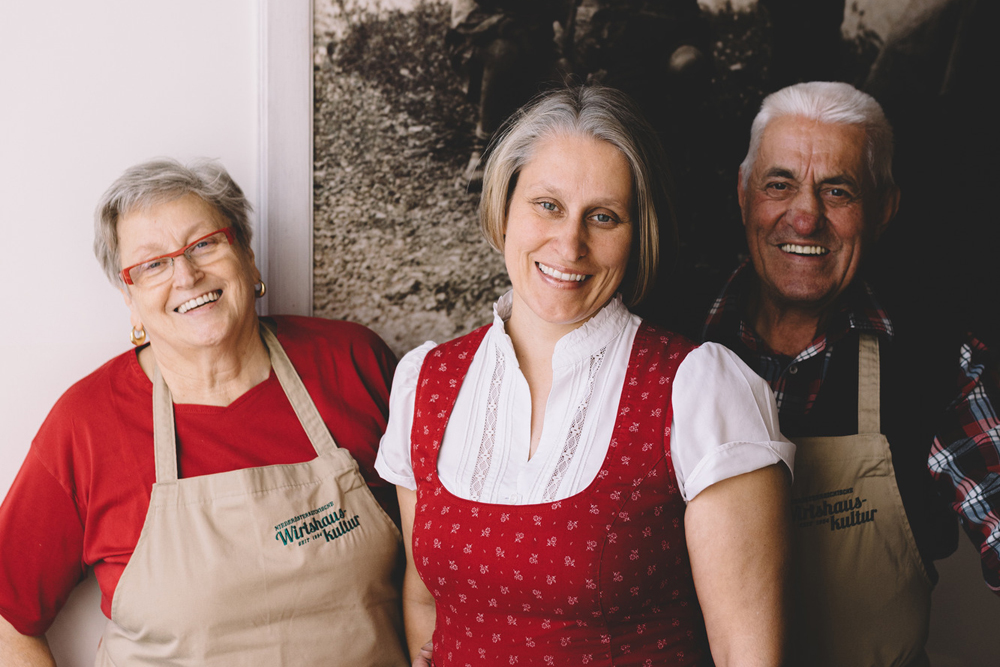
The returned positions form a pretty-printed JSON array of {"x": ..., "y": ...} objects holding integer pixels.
[
  {"x": 575, "y": 430},
  {"x": 485, "y": 457}
]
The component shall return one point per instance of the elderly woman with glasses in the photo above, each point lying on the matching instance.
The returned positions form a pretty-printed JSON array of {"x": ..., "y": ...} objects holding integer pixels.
[
  {"x": 218, "y": 478},
  {"x": 578, "y": 487}
]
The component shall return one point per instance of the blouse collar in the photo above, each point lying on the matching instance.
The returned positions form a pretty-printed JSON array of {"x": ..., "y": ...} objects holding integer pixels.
[{"x": 578, "y": 345}]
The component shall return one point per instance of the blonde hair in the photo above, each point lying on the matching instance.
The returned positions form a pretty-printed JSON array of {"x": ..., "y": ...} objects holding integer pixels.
[{"x": 600, "y": 113}]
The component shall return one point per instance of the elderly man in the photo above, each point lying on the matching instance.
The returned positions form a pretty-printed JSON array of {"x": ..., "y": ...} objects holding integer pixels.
[{"x": 894, "y": 420}]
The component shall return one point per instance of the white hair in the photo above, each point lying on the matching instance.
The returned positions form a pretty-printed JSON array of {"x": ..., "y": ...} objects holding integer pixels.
[{"x": 828, "y": 102}]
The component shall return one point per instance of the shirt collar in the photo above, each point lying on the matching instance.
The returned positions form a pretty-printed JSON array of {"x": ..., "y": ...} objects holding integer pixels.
[
  {"x": 578, "y": 345},
  {"x": 858, "y": 309}
]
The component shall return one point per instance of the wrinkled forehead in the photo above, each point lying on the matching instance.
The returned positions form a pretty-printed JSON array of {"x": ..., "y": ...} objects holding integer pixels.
[
  {"x": 164, "y": 224},
  {"x": 811, "y": 150}
]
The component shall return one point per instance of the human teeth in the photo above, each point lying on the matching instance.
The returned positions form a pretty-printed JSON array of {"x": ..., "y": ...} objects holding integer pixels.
[
  {"x": 804, "y": 249},
  {"x": 199, "y": 301},
  {"x": 549, "y": 271}
]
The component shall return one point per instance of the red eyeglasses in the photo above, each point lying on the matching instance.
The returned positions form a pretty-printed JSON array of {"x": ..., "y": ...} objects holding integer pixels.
[{"x": 200, "y": 252}]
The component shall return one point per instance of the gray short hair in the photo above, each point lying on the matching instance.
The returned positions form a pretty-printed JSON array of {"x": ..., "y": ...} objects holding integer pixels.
[
  {"x": 601, "y": 113},
  {"x": 829, "y": 102},
  {"x": 159, "y": 181}
]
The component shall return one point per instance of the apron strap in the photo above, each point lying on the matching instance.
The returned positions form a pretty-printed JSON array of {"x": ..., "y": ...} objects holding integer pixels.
[
  {"x": 165, "y": 436},
  {"x": 297, "y": 394},
  {"x": 869, "y": 396}
]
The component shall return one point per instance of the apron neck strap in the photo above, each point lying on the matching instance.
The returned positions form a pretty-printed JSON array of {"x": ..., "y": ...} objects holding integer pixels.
[
  {"x": 164, "y": 433},
  {"x": 164, "y": 437},
  {"x": 869, "y": 396},
  {"x": 312, "y": 422}
]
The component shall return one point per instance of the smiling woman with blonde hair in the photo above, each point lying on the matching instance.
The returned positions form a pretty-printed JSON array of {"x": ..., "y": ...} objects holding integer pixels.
[
  {"x": 218, "y": 478},
  {"x": 577, "y": 486}
]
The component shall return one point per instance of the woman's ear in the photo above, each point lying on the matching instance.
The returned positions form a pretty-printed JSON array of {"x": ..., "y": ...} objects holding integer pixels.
[
  {"x": 256, "y": 271},
  {"x": 133, "y": 308},
  {"x": 134, "y": 317}
]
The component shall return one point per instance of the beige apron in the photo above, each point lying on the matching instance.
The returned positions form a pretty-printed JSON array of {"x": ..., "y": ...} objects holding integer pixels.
[
  {"x": 278, "y": 565},
  {"x": 862, "y": 593}
]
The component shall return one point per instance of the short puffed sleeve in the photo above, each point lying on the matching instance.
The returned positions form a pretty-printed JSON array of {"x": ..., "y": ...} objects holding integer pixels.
[
  {"x": 725, "y": 421},
  {"x": 393, "y": 460}
]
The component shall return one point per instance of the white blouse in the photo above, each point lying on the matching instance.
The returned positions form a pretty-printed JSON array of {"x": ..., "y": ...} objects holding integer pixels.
[{"x": 725, "y": 421}]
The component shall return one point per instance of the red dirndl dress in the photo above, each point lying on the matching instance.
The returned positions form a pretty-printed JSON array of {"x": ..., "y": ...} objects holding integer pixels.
[{"x": 600, "y": 578}]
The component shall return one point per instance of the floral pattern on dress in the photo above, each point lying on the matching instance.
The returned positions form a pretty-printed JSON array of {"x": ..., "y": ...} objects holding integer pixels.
[{"x": 600, "y": 578}]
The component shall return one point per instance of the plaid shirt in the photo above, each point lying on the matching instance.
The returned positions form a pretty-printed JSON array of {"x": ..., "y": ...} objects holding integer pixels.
[
  {"x": 795, "y": 381},
  {"x": 965, "y": 456}
]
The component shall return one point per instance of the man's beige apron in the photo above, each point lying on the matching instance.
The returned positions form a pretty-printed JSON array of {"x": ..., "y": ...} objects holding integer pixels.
[
  {"x": 861, "y": 591},
  {"x": 278, "y": 565}
]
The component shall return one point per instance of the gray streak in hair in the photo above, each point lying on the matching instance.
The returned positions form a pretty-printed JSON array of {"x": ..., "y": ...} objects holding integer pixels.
[
  {"x": 162, "y": 180},
  {"x": 601, "y": 113}
]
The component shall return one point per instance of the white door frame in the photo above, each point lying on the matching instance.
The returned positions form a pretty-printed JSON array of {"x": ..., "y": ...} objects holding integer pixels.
[{"x": 285, "y": 214}]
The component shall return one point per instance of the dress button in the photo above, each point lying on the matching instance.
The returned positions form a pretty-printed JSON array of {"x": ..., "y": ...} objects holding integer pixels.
[
  {"x": 513, "y": 499},
  {"x": 793, "y": 369}
]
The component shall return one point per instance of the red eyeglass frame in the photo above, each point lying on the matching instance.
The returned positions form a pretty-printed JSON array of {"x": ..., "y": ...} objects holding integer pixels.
[{"x": 228, "y": 231}]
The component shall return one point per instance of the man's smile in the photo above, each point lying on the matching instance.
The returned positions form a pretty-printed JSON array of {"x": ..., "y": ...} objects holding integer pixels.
[{"x": 795, "y": 249}]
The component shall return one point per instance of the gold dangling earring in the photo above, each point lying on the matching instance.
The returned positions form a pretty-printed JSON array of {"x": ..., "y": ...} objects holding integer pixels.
[
  {"x": 258, "y": 293},
  {"x": 137, "y": 337}
]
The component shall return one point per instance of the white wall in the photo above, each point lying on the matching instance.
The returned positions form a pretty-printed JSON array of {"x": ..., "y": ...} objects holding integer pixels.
[{"x": 87, "y": 89}]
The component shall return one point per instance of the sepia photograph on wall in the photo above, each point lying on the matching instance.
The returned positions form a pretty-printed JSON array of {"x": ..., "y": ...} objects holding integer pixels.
[{"x": 409, "y": 92}]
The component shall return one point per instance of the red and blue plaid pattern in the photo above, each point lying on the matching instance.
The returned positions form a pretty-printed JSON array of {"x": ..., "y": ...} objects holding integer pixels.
[{"x": 965, "y": 457}]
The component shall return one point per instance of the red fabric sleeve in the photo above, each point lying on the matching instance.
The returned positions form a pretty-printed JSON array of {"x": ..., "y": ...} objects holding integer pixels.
[{"x": 40, "y": 560}]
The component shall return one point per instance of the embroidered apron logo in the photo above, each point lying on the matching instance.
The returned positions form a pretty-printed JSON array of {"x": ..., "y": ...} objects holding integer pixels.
[
  {"x": 316, "y": 524},
  {"x": 821, "y": 510}
]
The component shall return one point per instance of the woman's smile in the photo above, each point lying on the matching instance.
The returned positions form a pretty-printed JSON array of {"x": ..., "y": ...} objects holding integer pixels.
[
  {"x": 201, "y": 304},
  {"x": 198, "y": 301},
  {"x": 559, "y": 275},
  {"x": 569, "y": 231}
]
